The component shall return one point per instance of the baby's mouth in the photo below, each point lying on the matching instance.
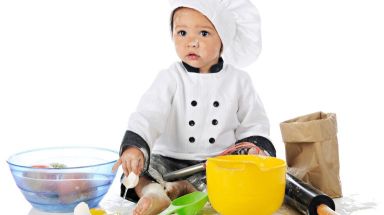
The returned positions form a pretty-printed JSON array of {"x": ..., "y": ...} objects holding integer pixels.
[{"x": 192, "y": 56}]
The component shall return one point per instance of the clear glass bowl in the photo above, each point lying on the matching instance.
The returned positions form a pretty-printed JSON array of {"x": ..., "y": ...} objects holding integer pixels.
[{"x": 57, "y": 179}]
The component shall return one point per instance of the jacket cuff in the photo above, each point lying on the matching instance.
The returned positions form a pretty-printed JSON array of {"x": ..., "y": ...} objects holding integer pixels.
[
  {"x": 132, "y": 139},
  {"x": 261, "y": 142}
]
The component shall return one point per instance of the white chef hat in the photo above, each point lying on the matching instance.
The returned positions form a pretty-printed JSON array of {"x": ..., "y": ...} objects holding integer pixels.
[{"x": 238, "y": 25}]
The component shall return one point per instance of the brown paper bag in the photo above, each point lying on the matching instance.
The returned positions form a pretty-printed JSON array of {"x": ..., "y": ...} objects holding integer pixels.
[{"x": 312, "y": 152}]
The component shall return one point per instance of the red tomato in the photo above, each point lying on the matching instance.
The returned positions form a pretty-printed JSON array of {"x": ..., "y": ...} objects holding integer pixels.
[{"x": 40, "y": 166}]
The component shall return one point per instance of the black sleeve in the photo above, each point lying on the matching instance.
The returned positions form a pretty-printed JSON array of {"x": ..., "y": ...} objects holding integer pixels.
[
  {"x": 261, "y": 142},
  {"x": 133, "y": 139}
]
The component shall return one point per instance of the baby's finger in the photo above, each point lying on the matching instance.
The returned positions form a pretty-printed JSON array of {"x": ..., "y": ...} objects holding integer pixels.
[
  {"x": 126, "y": 167},
  {"x": 254, "y": 151},
  {"x": 116, "y": 165},
  {"x": 135, "y": 166},
  {"x": 141, "y": 166},
  {"x": 257, "y": 151}
]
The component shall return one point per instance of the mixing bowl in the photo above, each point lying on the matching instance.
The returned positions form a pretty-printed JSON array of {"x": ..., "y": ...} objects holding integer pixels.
[
  {"x": 245, "y": 184},
  {"x": 57, "y": 179}
]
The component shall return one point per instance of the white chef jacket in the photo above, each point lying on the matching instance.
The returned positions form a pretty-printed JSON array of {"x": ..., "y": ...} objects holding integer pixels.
[{"x": 193, "y": 116}]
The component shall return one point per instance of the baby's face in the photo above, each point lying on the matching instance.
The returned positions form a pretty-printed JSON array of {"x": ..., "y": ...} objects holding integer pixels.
[{"x": 196, "y": 39}]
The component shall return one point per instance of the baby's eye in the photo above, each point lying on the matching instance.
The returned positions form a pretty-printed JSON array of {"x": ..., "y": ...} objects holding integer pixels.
[
  {"x": 204, "y": 33},
  {"x": 182, "y": 33}
]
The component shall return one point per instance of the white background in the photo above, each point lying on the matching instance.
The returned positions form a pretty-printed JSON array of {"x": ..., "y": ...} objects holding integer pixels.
[{"x": 71, "y": 72}]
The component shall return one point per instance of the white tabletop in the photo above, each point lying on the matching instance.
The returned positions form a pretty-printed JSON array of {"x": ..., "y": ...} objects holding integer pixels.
[{"x": 354, "y": 201}]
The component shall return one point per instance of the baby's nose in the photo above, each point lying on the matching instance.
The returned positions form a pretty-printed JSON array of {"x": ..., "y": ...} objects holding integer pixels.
[{"x": 194, "y": 43}]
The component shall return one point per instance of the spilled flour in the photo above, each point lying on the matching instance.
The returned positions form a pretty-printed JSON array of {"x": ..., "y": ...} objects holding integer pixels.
[
  {"x": 353, "y": 204},
  {"x": 356, "y": 204}
]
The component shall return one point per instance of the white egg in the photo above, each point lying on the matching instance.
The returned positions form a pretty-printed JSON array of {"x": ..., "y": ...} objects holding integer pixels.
[
  {"x": 81, "y": 209},
  {"x": 131, "y": 181}
]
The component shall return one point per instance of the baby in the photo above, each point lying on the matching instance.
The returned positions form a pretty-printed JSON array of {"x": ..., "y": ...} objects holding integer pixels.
[{"x": 199, "y": 107}]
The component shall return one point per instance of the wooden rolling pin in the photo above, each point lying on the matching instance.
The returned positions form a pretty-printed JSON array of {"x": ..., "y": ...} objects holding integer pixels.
[
  {"x": 325, "y": 210},
  {"x": 307, "y": 199}
]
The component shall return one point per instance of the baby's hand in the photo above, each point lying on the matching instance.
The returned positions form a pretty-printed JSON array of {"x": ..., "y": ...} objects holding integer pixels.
[
  {"x": 257, "y": 151},
  {"x": 132, "y": 160}
]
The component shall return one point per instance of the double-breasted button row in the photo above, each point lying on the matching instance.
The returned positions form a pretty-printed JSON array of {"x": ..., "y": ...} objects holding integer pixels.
[
  {"x": 215, "y": 103},
  {"x": 211, "y": 140},
  {"x": 192, "y": 123},
  {"x": 214, "y": 121}
]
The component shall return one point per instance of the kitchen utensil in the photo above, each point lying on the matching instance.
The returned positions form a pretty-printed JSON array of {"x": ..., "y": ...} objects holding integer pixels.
[
  {"x": 244, "y": 184},
  {"x": 57, "y": 179},
  {"x": 185, "y": 172},
  {"x": 307, "y": 199},
  {"x": 298, "y": 194},
  {"x": 189, "y": 204}
]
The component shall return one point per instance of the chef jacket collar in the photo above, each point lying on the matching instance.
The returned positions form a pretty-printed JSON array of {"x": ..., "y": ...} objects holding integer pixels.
[{"x": 214, "y": 68}]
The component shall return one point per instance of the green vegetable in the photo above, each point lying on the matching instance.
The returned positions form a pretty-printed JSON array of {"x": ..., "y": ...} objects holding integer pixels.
[{"x": 57, "y": 165}]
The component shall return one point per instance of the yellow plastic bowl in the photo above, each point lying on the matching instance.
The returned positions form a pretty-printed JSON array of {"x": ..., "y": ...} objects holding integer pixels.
[{"x": 246, "y": 184}]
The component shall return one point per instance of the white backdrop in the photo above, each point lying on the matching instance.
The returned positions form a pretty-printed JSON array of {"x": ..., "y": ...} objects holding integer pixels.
[{"x": 71, "y": 72}]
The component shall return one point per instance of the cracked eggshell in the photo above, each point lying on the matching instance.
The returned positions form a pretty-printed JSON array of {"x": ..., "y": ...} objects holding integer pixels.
[
  {"x": 131, "y": 181},
  {"x": 81, "y": 209}
]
